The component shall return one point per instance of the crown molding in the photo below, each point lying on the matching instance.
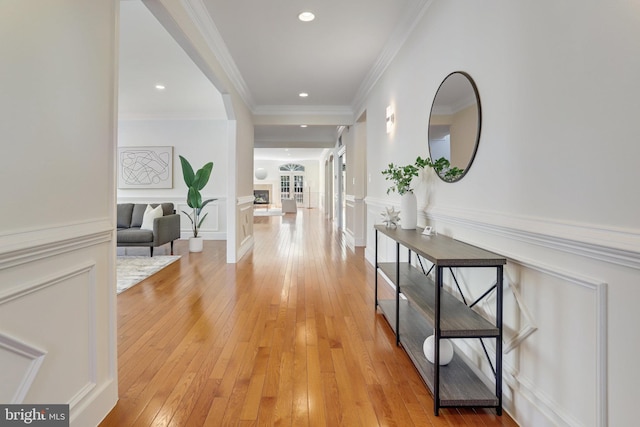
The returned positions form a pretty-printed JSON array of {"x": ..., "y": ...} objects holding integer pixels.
[
  {"x": 302, "y": 110},
  {"x": 199, "y": 14},
  {"x": 330, "y": 115},
  {"x": 412, "y": 15},
  {"x": 170, "y": 116}
]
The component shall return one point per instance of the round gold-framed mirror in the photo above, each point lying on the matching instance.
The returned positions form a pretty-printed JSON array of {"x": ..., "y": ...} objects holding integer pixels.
[{"x": 454, "y": 126}]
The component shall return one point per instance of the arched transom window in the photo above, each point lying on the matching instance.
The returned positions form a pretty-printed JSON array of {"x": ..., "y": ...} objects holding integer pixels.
[{"x": 291, "y": 167}]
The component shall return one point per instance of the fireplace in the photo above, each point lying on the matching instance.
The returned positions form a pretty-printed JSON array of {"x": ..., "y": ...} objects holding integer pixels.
[{"x": 261, "y": 197}]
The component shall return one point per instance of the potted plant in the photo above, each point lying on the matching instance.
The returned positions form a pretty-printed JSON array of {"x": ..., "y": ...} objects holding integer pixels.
[
  {"x": 196, "y": 182},
  {"x": 401, "y": 176}
]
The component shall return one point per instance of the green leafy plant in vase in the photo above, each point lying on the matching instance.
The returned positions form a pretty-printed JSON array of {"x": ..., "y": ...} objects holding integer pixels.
[
  {"x": 402, "y": 176},
  {"x": 196, "y": 181}
]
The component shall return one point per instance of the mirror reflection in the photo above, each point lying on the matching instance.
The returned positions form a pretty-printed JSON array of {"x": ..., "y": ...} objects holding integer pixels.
[{"x": 454, "y": 126}]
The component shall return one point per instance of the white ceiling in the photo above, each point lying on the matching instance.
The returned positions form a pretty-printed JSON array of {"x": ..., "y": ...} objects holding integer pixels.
[
  {"x": 279, "y": 56},
  {"x": 150, "y": 56},
  {"x": 270, "y": 57}
]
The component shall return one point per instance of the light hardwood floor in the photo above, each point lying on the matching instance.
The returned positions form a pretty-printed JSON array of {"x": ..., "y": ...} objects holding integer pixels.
[{"x": 287, "y": 336}]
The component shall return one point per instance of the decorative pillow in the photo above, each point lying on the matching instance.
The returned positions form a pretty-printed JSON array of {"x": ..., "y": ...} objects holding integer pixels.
[{"x": 149, "y": 215}]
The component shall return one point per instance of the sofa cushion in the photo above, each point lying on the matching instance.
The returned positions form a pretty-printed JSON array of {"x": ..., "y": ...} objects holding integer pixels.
[
  {"x": 138, "y": 214},
  {"x": 149, "y": 215},
  {"x": 167, "y": 208},
  {"x": 135, "y": 235},
  {"x": 124, "y": 215},
  {"x": 139, "y": 208}
]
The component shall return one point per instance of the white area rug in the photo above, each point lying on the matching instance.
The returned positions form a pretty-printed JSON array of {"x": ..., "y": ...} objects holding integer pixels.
[
  {"x": 269, "y": 212},
  {"x": 131, "y": 270}
]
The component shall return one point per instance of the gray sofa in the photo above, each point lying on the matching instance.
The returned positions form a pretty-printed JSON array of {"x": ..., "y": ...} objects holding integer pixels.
[{"x": 166, "y": 228}]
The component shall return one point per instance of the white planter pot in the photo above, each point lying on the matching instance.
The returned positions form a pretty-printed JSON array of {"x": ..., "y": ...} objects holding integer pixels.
[
  {"x": 195, "y": 244},
  {"x": 408, "y": 211}
]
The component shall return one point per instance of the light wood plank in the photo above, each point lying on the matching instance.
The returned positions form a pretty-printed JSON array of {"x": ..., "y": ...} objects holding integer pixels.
[{"x": 287, "y": 336}]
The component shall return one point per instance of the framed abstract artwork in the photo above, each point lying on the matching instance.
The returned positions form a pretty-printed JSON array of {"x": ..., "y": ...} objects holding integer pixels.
[{"x": 145, "y": 167}]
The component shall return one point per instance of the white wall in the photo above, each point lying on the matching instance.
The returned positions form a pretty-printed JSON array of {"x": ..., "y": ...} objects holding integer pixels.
[
  {"x": 186, "y": 22},
  {"x": 354, "y": 139},
  {"x": 553, "y": 187},
  {"x": 199, "y": 141},
  {"x": 243, "y": 174},
  {"x": 57, "y": 246}
]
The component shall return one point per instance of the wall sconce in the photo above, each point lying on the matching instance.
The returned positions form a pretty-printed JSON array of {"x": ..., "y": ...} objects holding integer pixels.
[{"x": 391, "y": 118}]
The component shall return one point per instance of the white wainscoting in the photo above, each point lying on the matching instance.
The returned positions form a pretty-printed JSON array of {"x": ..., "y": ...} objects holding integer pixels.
[
  {"x": 57, "y": 317},
  {"x": 210, "y": 229},
  {"x": 613, "y": 245},
  {"x": 214, "y": 225},
  {"x": 536, "y": 334},
  {"x": 32, "y": 245},
  {"x": 355, "y": 226},
  {"x": 556, "y": 314},
  {"x": 21, "y": 363},
  {"x": 245, "y": 228},
  {"x": 592, "y": 330},
  {"x": 609, "y": 244}
]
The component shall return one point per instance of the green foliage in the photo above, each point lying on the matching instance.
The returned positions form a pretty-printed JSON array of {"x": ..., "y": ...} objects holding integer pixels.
[
  {"x": 401, "y": 176},
  {"x": 196, "y": 182},
  {"x": 442, "y": 167}
]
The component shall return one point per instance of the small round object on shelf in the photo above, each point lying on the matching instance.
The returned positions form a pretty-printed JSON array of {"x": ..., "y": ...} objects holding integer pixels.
[{"x": 446, "y": 350}]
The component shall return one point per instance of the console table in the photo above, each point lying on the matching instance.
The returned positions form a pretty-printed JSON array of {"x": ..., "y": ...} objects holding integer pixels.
[{"x": 426, "y": 308}]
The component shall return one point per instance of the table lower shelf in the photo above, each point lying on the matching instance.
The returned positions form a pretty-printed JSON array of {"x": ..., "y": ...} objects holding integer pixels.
[{"x": 459, "y": 384}]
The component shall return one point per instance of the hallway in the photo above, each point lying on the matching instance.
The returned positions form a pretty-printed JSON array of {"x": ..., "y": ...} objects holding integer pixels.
[{"x": 288, "y": 336}]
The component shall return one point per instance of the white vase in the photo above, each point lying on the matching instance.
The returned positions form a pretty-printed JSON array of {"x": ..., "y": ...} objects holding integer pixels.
[
  {"x": 446, "y": 350},
  {"x": 195, "y": 244},
  {"x": 408, "y": 211}
]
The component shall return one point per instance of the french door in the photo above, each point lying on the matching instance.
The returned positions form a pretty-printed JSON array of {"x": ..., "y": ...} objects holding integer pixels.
[{"x": 292, "y": 187}]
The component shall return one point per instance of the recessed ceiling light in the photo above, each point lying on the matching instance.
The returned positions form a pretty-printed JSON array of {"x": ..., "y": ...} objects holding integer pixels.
[
  {"x": 286, "y": 149},
  {"x": 306, "y": 16},
  {"x": 303, "y": 126},
  {"x": 160, "y": 87},
  {"x": 303, "y": 94}
]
